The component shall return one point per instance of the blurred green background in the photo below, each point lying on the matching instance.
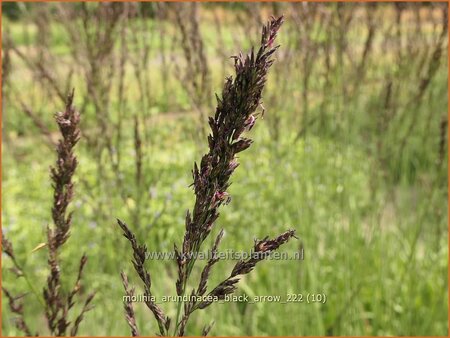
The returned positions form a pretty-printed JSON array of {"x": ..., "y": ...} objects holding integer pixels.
[{"x": 351, "y": 152}]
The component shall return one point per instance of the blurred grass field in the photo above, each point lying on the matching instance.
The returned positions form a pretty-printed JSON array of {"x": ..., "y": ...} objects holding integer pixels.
[{"x": 370, "y": 211}]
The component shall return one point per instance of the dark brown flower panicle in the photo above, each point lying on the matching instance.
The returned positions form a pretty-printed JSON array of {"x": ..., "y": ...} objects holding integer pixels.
[
  {"x": 235, "y": 114},
  {"x": 241, "y": 97},
  {"x": 57, "y": 304},
  {"x": 63, "y": 171}
]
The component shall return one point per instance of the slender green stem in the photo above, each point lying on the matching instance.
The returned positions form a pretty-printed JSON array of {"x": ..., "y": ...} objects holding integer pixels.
[
  {"x": 30, "y": 285},
  {"x": 188, "y": 273},
  {"x": 33, "y": 290},
  {"x": 178, "y": 312}
]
